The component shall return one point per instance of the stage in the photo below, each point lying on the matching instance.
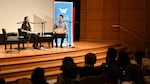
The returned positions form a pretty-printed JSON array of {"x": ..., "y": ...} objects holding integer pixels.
[
  {"x": 19, "y": 64},
  {"x": 29, "y": 51}
]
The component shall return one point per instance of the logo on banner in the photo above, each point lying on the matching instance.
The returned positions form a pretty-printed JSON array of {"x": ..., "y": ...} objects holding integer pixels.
[{"x": 63, "y": 10}]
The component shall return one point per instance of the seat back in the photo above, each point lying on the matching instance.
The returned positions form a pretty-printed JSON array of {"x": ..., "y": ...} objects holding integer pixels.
[
  {"x": 20, "y": 33},
  {"x": 4, "y": 34},
  {"x": 23, "y": 81},
  {"x": 92, "y": 80}
]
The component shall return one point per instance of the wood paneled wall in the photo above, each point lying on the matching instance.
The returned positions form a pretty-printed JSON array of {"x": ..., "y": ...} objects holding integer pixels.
[
  {"x": 97, "y": 18},
  {"x": 148, "y": 20},
  {"x": 134, "y": 18},
  {"x": 83, "y": 19},
  {"x": 111, "y": 17}
]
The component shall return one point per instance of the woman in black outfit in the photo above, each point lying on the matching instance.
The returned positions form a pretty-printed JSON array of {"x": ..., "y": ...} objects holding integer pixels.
[{"x": 26, "y": 28}]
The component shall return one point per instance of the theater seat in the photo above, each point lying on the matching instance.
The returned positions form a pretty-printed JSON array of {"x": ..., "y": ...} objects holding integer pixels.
[
  {"x": 92, "y": 80},
  {"x": 10, "y": 39}
]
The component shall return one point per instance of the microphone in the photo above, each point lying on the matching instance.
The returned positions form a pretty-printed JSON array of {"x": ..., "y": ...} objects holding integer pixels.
[
  {"x": 67, "y": 21},
  {"x": 42, "y": 22},
  {"x": 23, "y": 21},
  {"x": 19, "y": 22},
  {"x": 32, "y": 22}
]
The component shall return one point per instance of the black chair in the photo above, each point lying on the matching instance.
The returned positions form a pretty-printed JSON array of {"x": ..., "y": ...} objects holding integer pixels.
[
  {"x": 23, "y": 81},
  {"x": 22, "y": 37},
  {"x": 10, "y": 40},
  {"x": 92, "y": 80},
  {"x": 46, "y": 37}
]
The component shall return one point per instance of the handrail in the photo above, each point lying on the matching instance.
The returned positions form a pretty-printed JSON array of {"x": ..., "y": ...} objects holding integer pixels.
[{"x": 121, "y": 27}]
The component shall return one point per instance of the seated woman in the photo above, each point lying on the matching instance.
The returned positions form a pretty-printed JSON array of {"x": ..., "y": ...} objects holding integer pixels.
[{"x": 26, "y": 28}]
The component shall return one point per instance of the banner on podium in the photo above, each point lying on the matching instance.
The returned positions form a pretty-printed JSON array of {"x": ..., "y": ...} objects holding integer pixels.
[{"x": 65, "y": 9}]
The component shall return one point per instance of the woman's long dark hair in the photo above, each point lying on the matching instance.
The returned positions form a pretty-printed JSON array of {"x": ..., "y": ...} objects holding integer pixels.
[{"x": 25, "y": 18}]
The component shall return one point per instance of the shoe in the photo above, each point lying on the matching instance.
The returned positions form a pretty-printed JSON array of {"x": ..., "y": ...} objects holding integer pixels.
[
  {"x": 36, "y": 48},
  {"x": 61, "y": 46},
  {"x": 33, "y": 45}
]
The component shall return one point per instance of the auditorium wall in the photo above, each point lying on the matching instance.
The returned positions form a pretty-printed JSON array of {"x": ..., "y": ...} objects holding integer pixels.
[
  {"x": 134, "y": 22},
  {"x": 148, "y": 25},
  {"x": 133, "y": 17},
  {"x": 14, "y": 11},
  {"x": 97, "y": 18}
]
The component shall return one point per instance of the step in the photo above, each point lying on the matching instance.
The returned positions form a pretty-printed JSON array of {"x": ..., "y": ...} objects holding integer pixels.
[
  {"x": 47, "y": 73},
  {"x": 32, "y": 66},
  {"x": 6, "y": 75},
  {"x": 44, "y": 57},
  {"x": 58, "y": 57},
  {"x": 48, "y": 64},
  {"x": 17, "y": 67}
]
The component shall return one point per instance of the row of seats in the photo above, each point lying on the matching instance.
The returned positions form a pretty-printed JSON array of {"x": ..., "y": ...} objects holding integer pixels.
[{"x": 84, "y": 80}]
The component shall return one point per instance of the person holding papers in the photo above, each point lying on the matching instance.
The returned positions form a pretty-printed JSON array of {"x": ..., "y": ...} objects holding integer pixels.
[
  {"x": 26, "y": 28},
  {"x": 60, "y": 30}
]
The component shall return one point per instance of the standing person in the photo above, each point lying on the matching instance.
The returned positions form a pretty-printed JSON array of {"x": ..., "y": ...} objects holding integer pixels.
[
  {"x": 26, "y": 28},
  {"x": 60, "y": 30}
]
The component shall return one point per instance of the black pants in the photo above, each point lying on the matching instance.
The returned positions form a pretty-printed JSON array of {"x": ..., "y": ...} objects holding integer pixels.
[
  {"x": 35, "y": 40},
  {"x": 33, "y": 37},
  {"x": 62, "y": 36}
]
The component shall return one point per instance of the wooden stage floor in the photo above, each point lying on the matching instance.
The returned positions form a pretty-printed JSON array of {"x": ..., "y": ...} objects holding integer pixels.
[{"x": 82, "y": 45}]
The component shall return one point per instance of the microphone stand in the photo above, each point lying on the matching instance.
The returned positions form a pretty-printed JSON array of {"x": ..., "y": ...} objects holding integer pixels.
[
  {"x": 68, "y": 44},
  {"x": 42, "y": 34},
  {"x": 42, "y": 28}
]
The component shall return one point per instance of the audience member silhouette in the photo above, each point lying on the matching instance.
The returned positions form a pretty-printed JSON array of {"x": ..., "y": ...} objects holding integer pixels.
[
  {"x": 123, "y": 58},
  {"x": 69, "y": 72},
  {"x": 38, "y": 76},
  {"x": 110, "y": 69},
  {"x": 66, "y": 59},
  {"x": 88, "y": 69},
  {"x": 128, "y": 71},
  {"x": 139, "y": 55},
  {"x": 2, "y": 81}
]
